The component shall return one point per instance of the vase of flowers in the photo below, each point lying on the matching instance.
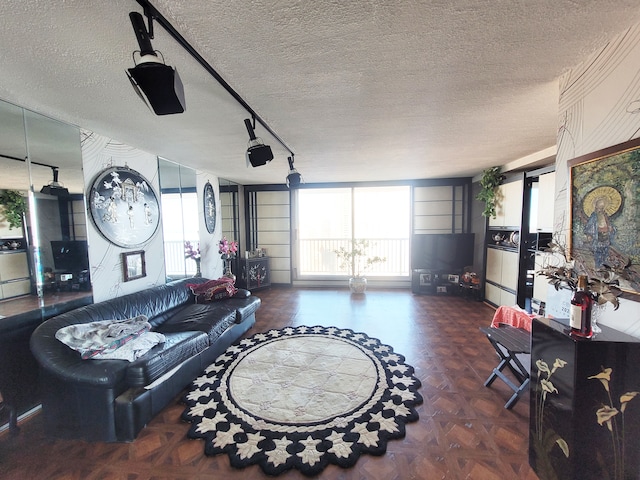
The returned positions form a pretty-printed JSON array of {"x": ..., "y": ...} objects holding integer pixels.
[
  {"x": 356, "y": 261},
  {"x": 227, "y": 251},
  {"x": 194, "y": 254}
]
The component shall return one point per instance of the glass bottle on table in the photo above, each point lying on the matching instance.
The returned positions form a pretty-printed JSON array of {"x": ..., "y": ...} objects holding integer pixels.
[{"x": 580, "y": 313}]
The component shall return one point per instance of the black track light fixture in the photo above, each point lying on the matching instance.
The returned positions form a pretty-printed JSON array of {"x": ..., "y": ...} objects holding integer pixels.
[
  {"x": 294, "y": 179},
  {"x": 157, "y": 84},
  {"x": 258, "y": 153},
  {"x": 55, "y": 187},
  {"x": 160, "y": 86}
]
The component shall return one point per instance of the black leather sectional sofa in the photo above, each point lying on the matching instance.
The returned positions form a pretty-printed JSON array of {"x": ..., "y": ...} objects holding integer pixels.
[{"x": 112, "y": 400}]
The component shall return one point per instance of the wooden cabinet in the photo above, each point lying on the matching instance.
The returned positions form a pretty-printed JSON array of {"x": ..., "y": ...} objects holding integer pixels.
[
  {"x": 502, "y": 269},
  {"x": 14, "y": 274},
  {"x": 14, "y": 265},
  {"x": 501, "y": 275},
  {"x": 584, "y": 406},
  {"x": 255, "y": 273},
  {"x": 509, "y": 205},
  {"x": 546, "y": 202}
]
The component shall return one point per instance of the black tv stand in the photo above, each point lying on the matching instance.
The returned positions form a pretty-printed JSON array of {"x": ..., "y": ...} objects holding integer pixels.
[{"x": 435, "y": 282}]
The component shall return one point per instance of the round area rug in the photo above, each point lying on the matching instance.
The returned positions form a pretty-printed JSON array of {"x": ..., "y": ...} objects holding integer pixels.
[{"x": 302, "y": 398}]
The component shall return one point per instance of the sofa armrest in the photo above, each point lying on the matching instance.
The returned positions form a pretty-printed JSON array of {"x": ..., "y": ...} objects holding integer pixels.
[
  {"x": 242, "y": 293},
  {"x": 64, "y": 363},
  {"x": 245, "y": 307}
]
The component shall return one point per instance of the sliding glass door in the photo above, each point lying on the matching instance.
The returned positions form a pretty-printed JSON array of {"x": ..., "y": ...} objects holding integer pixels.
[{"x": 331, "y": 218}]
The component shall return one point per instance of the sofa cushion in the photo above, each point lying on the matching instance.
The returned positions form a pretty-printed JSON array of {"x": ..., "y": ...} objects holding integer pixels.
[
  {"x": 210, "y": 318},
  {"x": 177, "y": 348}
]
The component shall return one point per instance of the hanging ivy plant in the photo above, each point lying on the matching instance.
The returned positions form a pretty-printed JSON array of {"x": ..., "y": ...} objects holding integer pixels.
[
  {"x": 490, "y": 181},
  {"x": 15, "y": 206}
]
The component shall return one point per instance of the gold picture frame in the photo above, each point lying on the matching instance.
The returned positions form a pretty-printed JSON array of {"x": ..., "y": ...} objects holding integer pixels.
[{"x": 605, "y": 207}]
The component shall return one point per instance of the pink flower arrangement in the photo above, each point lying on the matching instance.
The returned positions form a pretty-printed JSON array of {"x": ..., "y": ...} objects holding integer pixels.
[
  {"x": 227, "y": 249},
  {"x": 191, "y": 252}
]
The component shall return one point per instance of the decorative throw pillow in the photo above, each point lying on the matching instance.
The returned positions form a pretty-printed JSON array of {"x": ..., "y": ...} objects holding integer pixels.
[{"x": 213, "y": 290}]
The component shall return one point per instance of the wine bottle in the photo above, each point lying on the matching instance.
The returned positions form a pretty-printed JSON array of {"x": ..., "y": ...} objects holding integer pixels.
[{"x": 580, "y": 314}]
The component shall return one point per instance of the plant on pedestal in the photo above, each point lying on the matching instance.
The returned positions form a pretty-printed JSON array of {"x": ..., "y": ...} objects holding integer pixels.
[{"x": 356, "y": 261}]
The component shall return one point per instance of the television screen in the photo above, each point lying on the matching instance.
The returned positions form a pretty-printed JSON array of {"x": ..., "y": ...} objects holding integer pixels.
[
  {"x": 446, "y": 252},
  {"x": 71, "y": 255}
]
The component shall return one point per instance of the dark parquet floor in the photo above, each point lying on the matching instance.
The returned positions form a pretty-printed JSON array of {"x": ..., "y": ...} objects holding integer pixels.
[{"x": 464, "y": 432}]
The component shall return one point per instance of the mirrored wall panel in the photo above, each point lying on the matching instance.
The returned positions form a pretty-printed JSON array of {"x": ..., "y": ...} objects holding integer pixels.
[
  {"x": 180, "y": 218},
  {"x": 43, "y": 238},
  {"x": 44, "y": 267}
]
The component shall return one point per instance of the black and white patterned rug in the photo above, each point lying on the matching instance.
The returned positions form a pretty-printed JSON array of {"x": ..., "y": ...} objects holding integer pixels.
[{"x": 302, "y": 398}]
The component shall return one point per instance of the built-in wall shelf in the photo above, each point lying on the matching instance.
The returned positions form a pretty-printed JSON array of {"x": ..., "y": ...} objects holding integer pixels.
[
  {"x": 504, "y": 238},
  {"x": 538, "y": 241}
]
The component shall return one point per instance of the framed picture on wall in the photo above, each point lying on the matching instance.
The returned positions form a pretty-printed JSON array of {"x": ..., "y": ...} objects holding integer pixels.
[
  {"x": 124, "y": 207},
  {"x": 605, "y": 213},
  {"x": 133, "y": 265}
]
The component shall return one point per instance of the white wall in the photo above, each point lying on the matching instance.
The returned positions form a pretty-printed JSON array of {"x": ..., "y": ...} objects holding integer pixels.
[
  {"x": 599, "y": 107},
  {"x": 99, "y": 153}
]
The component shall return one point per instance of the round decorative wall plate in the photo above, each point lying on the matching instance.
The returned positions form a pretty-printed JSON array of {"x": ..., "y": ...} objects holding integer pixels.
[
  {"x": 124, "y": 207},
  {"x": 209, "y": 199}
]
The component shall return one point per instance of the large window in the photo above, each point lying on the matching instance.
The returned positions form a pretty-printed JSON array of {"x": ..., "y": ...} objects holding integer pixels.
[{"x": 331, "y": 218}]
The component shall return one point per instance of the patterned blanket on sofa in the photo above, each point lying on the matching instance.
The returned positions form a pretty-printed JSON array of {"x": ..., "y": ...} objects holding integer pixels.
[{"x": 111, "y": 339}]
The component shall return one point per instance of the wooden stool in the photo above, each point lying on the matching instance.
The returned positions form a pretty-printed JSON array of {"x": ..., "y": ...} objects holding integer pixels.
[{"x": 513, "y": 341}]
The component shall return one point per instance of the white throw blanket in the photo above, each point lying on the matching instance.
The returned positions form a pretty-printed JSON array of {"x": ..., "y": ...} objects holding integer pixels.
[{"x": 111, "y": 339}]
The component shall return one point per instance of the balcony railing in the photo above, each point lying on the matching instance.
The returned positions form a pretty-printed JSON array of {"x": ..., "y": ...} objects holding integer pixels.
[
  {"x": 318, "y": 257},
  {"x": 175, "y": 263}
]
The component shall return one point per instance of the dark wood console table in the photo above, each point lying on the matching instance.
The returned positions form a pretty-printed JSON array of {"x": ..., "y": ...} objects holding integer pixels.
[
  {"x": 585, "y": 405},
  {"x": 254, "y": 273}
]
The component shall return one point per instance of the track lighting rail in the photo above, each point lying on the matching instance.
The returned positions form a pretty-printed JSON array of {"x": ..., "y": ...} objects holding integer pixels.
[{"x": 153, "y": 14}]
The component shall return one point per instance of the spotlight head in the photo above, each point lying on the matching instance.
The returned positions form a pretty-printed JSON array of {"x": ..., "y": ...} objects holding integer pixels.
[
  {"x": 258, "y": 153},
  {"x": 54, "y": 187},
  {"x": 157, "y": 84},
  {"x": 294, "y": 179}
]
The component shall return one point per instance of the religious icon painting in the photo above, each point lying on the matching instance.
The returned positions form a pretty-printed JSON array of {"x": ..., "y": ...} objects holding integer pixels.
[{"x": 605, "y": 207}]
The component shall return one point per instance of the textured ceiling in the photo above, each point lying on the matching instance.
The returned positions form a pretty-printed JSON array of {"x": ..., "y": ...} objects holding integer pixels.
[{"x": 359, "y": 90}]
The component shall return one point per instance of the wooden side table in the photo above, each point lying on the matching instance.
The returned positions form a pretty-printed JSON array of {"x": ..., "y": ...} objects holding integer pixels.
[{"x": 255, "y": 273}]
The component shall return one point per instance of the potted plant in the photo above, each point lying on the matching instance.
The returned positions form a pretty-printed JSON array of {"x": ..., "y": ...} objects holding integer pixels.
[
  {"x": 356, "y": 261},
  {"x": 15, "y": 206},
  {"x": 490, "y": 181}
]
